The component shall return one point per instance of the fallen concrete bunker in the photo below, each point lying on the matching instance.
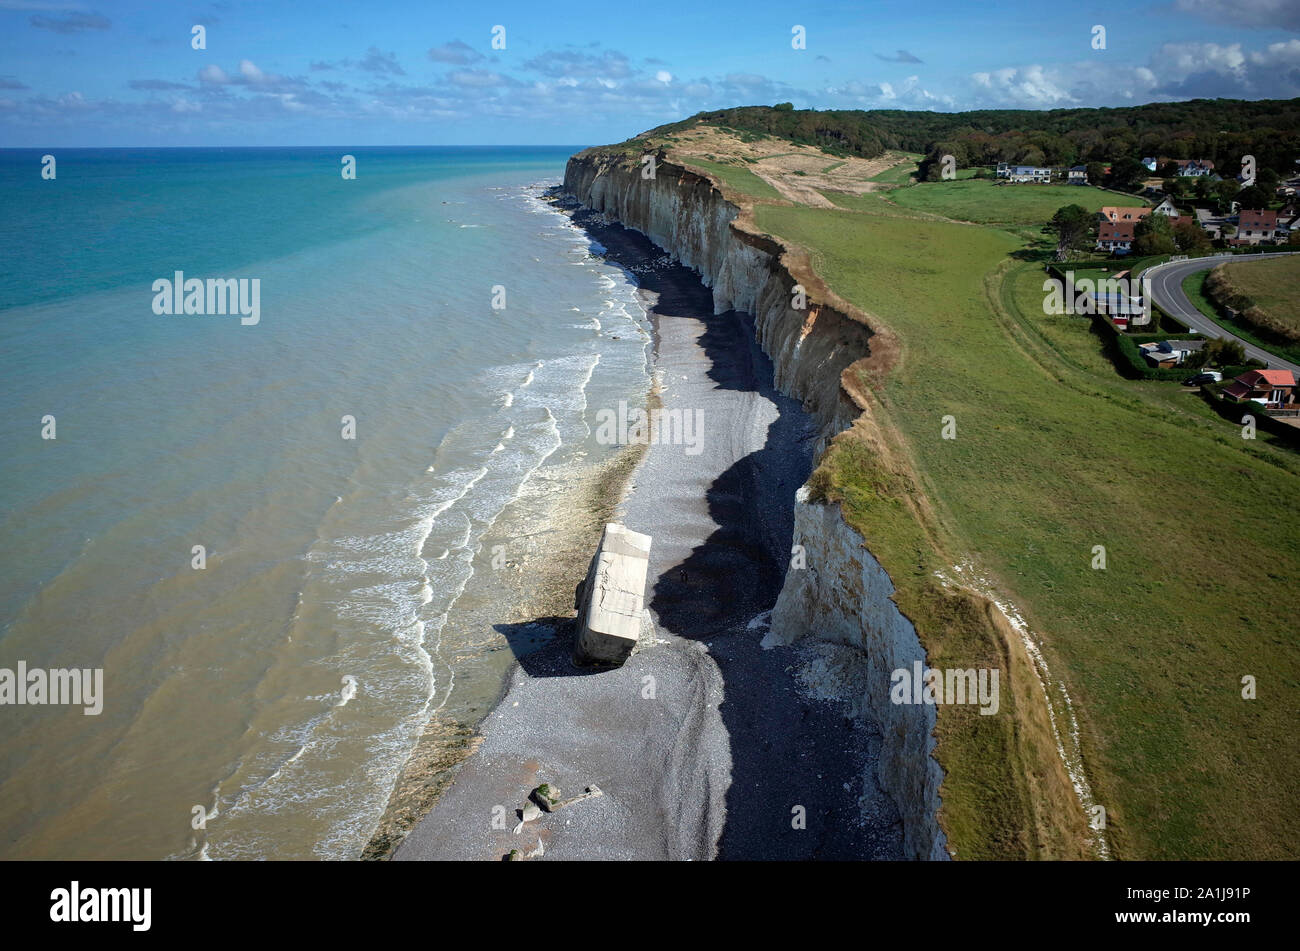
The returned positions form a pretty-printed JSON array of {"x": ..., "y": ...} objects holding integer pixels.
[{"x": 611, "y": 601}]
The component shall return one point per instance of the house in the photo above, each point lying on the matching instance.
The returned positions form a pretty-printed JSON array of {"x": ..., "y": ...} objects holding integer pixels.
[
  {"x": 1150, "y": 164},
  {"x": 1004, "y": 169},
  {"x": 1078, "y": 175},
  {"x": 1114, "y": 213},
  {"x": 1194, "y": 168},
  {"x": 1166, "y": 208},
  {"x": 1124, "y": 312},
  {"x": 1170, "y": 353},
  {"x": 1116, "y": 237},
  {"x": 1274, "y": 388},
  {"x": 1028, "y": 173},
  {"x": 1255, "y": 227}
]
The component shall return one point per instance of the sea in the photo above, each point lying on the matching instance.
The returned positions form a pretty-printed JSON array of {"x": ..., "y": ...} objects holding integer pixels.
[{"x": 280, "y": 542}]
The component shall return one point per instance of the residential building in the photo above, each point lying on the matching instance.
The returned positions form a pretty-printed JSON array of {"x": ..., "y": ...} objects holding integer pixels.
[
  {"x": 1166, "y": 208},
  {"x": 1150, "y": 164},
  {"x": 1255, "y": 227},
  {"x": 1170, "y": 353},
  {"x": 1078, "y": 175},
  {"x": 1194, "y": 168},
  {"x": 1116, "y": 237},
  {"x": 1028, "y": 173},
  {"x": 1274, "y": 388},
  {"x": 1115, "y": 213}
]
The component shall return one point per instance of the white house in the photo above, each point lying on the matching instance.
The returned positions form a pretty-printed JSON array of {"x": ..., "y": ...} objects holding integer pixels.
[
  {"x": 1194, "y": 168},
  {"x": 1029, "y": 173},
  {"x": 1170, "y": 353},
  {"x": 1166, "y": 208},
  {"x": 1079, "y": 175}
]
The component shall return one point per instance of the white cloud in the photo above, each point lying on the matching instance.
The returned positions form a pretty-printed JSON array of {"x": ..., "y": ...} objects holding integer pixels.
[
  {"x": 1026, "y": 86},
  {"x": 664, "y": 76},
  {"x": 213, "y": 74},
  {"x": 1187, "y": 70},
  {"x": 887, "y": 95}
]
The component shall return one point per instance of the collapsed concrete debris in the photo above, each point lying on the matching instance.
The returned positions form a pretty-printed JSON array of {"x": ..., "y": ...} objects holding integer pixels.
[
  {"x": 546, "y": 798},
  {"x": 611, "y": 601}
]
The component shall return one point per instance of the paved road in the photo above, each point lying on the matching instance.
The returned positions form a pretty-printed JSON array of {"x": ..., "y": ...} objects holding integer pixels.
[{"x": 1167, "y": 292}]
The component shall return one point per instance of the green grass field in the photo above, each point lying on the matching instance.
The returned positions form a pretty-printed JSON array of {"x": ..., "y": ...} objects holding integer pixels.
[
  {"x": 1274, "y": 285},
  {"x": 1056, "y": 454},
  {"x": 985, "y": 202},
  {"x": 741, "y": 179}
]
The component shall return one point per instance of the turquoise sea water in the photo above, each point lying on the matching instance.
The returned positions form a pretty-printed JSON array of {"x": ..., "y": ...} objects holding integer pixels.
[{"x": 342, "y": 604}]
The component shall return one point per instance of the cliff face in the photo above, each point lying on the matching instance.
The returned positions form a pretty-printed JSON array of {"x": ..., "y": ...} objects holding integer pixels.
[
  {"x": 688, "y": 217},
  {"x": 843, "y": 596}
]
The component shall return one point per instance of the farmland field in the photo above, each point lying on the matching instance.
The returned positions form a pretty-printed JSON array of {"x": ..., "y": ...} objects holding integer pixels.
[
  {"x": 1274, "y": 285},
  {"x": 986, "y": 202}
]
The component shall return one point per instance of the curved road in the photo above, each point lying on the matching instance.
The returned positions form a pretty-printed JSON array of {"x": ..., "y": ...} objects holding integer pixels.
[{"x": 1167, "y": 292}]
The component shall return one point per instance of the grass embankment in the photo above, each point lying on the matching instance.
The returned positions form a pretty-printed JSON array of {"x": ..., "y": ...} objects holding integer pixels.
[
  {"x": 1197, "y": 288},
  {"x": 1056, "y": 454},
  {"x": 901, "y": 173}
]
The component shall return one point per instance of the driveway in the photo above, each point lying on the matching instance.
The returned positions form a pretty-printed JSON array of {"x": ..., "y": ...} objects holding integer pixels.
[{"x": 1167, "y": 292}]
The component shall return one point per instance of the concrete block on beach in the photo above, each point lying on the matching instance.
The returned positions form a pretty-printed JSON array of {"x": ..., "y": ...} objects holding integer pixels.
[{"x": 611, "y": 606}]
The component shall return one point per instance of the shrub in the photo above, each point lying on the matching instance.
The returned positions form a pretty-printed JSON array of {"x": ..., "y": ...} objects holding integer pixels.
[{"x": 819, "y": 485}]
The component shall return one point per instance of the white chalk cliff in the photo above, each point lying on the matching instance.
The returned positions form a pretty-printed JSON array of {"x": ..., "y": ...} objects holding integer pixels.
[{"x": 843, "y": 595}]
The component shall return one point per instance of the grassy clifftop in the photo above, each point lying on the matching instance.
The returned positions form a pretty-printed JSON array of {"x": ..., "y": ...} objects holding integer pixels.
[{"x": 1056, "y": 457}]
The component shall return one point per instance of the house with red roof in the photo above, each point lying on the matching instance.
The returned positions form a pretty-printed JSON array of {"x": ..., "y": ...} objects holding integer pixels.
[
  {"x": 1255, "y": 227},
  {"x": 1274, "y": 388},
  {"x": 1113, "y": 213},
  {"x": 1116, "y": 237}
]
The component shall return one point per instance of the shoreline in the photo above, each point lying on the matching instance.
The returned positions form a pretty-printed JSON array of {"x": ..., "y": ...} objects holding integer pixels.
[
  {"x": 448, "y": 741},
  {"x": 703, "y": 742}
]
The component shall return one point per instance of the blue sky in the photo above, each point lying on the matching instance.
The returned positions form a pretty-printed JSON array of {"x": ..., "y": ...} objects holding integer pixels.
[{"x": 378, "y": 73}]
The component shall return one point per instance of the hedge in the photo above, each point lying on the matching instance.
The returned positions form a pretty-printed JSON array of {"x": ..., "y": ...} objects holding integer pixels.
[{"x": 1123, "y": 350}]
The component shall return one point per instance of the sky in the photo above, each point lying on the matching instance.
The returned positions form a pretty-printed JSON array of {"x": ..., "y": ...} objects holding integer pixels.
[{"x": 498, "y": 72}]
